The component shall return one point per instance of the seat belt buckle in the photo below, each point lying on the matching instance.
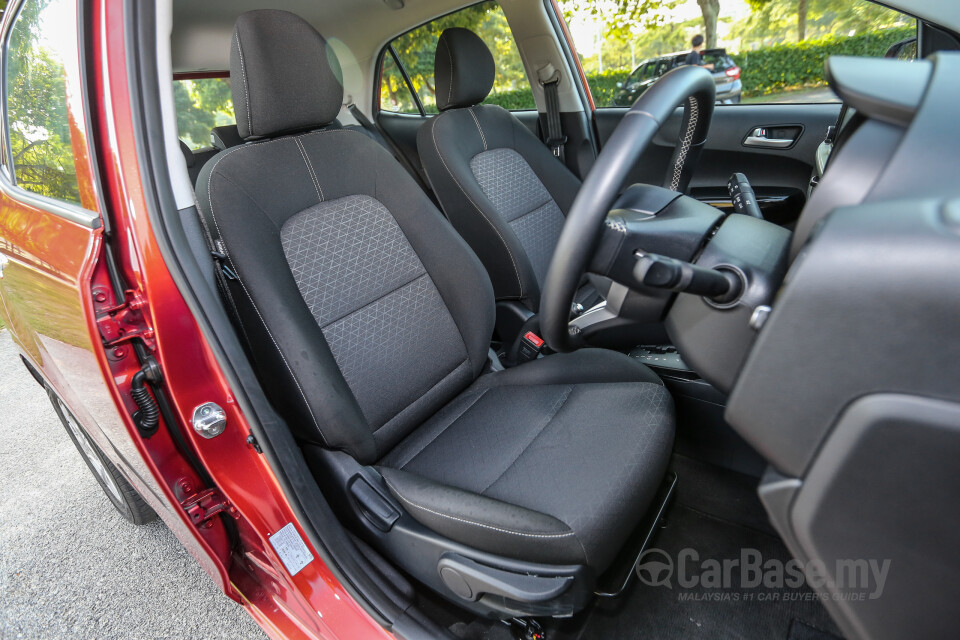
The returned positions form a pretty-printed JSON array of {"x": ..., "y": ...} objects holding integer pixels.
[
  {"x": 556, "y": 145},
  {"x": 530, "y": 347},
  {"x": 221, "y": 260}
]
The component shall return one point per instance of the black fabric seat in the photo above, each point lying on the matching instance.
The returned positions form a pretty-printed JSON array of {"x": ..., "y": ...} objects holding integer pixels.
[
  {"x": 502, "y": 189},
  {"x": 228, "y": 135},
  {"x": 520, "y": 464},
  {"x": 369, "y": 321}
]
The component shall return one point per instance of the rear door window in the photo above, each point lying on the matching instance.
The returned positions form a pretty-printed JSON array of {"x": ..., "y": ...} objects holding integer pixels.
[
  {"x": 202, "y": 104},
  {"x": 415, "y": 51}
]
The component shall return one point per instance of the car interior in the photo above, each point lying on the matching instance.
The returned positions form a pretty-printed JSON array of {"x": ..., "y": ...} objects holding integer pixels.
[{"x": 495, "y": 366}]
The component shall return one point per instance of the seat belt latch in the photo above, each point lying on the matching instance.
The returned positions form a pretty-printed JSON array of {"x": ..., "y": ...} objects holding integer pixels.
[{"x": 530, "y": 347}]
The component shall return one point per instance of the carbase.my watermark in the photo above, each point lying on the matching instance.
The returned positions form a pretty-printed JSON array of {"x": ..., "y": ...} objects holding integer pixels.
[{"x": 847, "y": 579}]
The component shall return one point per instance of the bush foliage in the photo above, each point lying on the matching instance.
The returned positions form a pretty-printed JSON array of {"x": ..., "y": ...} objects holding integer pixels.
[
  {"x": 764, "y": 71},
  {"x": 788, "y": 66}
]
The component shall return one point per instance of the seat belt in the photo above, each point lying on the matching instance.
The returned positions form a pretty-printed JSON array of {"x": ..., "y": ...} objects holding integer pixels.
[
  {"x": 550, "y": 81},
  {"x": 394, "y": 150},
  {"x": 364, "y": 121},
  {"x": 223, "y": 274}
]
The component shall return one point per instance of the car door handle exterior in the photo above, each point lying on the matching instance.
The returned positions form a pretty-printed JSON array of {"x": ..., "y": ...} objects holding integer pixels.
[{"x": 758, "y": 138}]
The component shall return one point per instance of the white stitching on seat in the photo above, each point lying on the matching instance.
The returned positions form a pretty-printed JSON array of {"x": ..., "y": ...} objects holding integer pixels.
[
  {"x": 685, "y": 144},
  {"x": 478, "y": 524},
  {"x": 313, "y": 174},
  {"x": 513, "y": 262},
  {"x": 449, "y": 86},
  {"x": 254, "y": 304},
  {"x": 246, "y": 90},
  {"x": 479, "y": 128}
]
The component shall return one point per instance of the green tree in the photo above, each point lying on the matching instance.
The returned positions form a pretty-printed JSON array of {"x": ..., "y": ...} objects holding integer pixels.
[
  {"x": 800, "y": 9},
  {"x": 626, "y": 14},
  {"x": 769, "y": 19},
  {"x": 417, "y": 49},
  {"x": 710, "y": 10},
  {"x": 201, "y": 105}
]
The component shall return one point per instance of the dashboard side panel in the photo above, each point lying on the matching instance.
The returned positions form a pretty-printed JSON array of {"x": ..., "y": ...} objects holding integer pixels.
[
  {"x": 869, "y": 306},
  {"x": 875, "y": 508}
]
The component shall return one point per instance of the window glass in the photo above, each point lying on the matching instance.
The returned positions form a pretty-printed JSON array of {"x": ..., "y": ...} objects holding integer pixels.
[
  {"x": 395, "y": 94},
  {"x": 416, "y": 50},
  {"x": 41, "y": 41},
  {"x": 202, "y": 104},
  {"x": 760, "y": 50}
]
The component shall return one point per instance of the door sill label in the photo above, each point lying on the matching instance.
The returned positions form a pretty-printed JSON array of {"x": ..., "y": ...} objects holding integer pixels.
[{"x": 291, "y": 548}]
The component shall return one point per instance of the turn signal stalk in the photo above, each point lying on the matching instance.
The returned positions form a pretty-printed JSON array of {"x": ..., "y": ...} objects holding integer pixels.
[{"x": 661, "y": 272}]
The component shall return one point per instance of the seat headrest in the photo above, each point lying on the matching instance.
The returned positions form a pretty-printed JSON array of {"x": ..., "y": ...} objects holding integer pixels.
[
  {"x": 463, "y": 69},
  {"x": 225, "y": 137},
  {"x": 285, "y": 77}
]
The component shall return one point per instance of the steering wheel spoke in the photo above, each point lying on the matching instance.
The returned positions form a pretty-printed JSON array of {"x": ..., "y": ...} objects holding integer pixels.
[{"x": 602, "y": 236}]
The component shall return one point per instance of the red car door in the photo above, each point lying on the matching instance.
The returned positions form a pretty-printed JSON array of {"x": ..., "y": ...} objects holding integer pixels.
[
  {"x": 57, "y": 296},
  {"x": 91, "y": 304}
]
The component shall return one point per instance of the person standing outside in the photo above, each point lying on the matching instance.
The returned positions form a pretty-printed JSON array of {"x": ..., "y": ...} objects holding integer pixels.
[{"x": 695, "y": 58}]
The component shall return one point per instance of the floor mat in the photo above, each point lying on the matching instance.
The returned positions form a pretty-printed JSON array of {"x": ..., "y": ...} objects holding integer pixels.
[
  {"x": 716, "y": 518},
  {"x": 690, "y": 606},
  {"x": 720, "y": 492}
]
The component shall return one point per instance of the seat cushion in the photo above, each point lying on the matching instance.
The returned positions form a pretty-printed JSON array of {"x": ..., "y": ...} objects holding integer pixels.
[{"x": 553, "y": 461}]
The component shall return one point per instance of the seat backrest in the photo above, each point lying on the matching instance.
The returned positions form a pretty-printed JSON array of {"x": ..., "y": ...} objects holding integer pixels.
[
  {"x": 363, "y": 309},
  {"x": 499, "y": 185}
]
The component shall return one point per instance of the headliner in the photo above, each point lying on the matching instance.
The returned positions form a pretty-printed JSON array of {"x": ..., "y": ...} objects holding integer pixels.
[{"x": 202, "y": 30}]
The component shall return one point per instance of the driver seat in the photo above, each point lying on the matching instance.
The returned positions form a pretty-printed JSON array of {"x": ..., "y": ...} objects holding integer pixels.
[
  {"x": 369, "y": 319},
  {"x": 499, "y": 185}
]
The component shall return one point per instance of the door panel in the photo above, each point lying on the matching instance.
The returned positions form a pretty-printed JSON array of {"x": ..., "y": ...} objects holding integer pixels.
[{"x": 781, "y": 172}]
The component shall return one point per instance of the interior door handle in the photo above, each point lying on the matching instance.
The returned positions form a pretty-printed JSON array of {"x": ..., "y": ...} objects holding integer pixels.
[{"x": 758, "y": 138}]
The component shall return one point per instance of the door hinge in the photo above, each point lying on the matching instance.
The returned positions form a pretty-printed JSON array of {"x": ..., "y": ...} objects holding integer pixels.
[
  {"x": 124, "y": 322},
  {"x": 206, "y": 504}
]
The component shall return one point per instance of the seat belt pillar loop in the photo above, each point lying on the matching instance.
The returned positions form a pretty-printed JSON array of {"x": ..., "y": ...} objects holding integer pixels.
[{"x": 550, "y": 81}]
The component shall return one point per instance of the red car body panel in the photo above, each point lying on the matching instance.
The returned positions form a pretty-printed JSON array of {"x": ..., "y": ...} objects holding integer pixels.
[{"x": 57, "y": 299}]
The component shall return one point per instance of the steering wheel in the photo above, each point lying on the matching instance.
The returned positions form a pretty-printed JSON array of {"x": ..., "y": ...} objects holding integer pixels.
[{"x": 694, "y": 88}]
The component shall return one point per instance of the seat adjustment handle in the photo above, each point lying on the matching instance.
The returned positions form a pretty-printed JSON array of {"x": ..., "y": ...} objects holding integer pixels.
[{"x": 470, "y": 580}]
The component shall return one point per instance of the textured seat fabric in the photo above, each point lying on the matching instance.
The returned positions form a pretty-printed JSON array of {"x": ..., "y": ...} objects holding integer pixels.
[
  {"x": 520, "y": 438},
  {"x": 497, "y": 183},
  {"x": 369, "y": 320}
]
